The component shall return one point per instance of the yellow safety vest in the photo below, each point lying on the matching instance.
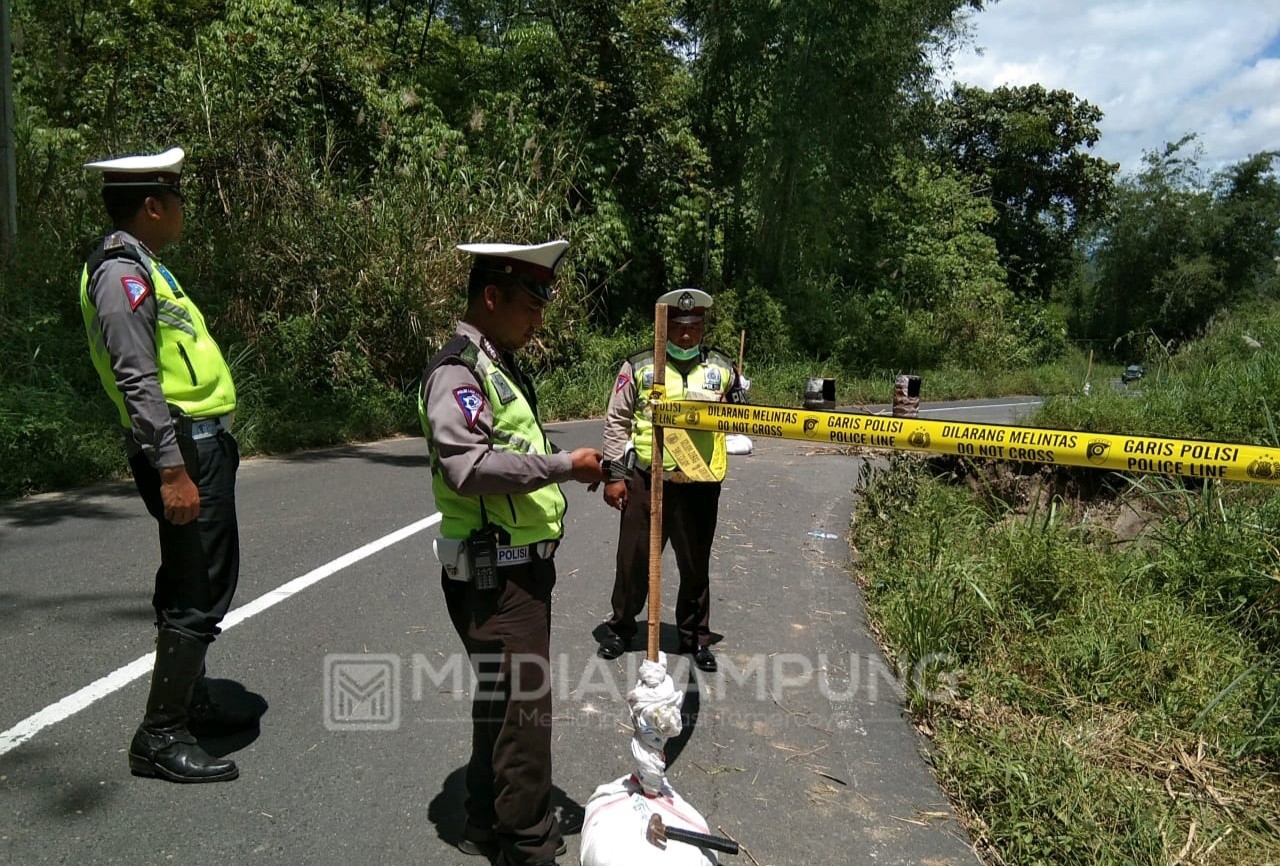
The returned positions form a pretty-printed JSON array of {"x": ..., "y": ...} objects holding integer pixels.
[
  {"x": 526, "y": 517},
  {"x": 709, "y": 380},
  {"x": 193, "y": 374}
]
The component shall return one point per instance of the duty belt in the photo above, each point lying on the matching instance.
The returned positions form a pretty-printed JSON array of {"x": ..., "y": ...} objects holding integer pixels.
[
  {"x": 523, "y": 554},
  {"x": 202, "y": 428}
]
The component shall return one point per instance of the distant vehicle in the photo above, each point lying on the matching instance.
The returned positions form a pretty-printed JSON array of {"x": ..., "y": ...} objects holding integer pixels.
[{"x": 1132, "y": 373}]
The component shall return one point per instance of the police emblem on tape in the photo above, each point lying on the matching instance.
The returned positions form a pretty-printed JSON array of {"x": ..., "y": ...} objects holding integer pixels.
[
  {"x": 1263, "y": 469},
  {"x": 1097, "y": 450},
  {"x": 471, "y": 402},
  {"x": 920, "y": 438},
  {"x": 136, "y": 290}
]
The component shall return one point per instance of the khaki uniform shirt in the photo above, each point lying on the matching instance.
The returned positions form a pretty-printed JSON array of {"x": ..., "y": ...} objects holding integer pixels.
[{"x": 470, "y": 464}]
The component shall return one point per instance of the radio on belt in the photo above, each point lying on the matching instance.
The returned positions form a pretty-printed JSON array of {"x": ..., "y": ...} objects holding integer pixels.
[{"x": 482, "y": 549}]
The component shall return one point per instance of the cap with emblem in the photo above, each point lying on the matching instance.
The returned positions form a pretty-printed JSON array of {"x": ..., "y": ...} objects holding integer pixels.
[
  {"x": 154, "y": 170},
  {"x": 533, "y": 267},
  {"x": 686, "y": 305}
]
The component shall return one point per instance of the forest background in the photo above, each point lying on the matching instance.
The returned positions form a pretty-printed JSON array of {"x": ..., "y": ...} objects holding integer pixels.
[{"x": 798, "y": 159}]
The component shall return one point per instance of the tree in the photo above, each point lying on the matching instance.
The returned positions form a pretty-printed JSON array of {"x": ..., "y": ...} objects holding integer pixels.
[
  {"x": 1028, "y": 143},
  {"x": 1181, "y": 247}
]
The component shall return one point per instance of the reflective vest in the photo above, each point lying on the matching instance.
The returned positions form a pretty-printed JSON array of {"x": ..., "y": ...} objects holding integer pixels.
[
  {"x": 193, "y": 374},
  {"x": 709, "y": 380},
  {"x": 525, "y": 517}
]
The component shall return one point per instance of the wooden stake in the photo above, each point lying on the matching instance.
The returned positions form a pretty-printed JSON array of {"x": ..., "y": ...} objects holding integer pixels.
[
  {"x": 742, "y": 344},
  {"x": 1088, "y": 371},
  {"x": 655, "y": 488}
]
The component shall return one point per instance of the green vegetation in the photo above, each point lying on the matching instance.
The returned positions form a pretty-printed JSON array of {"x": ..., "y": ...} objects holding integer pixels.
[
  {"x": 1097, "y": 656},
  {"x": 797, "y": 159}
]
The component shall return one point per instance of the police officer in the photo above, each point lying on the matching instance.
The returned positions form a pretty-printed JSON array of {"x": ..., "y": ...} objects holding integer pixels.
[
  {"x": 174, "y": 397},
  {"x": 691, "y": 481},
  {"x": 495, "y": 478}
]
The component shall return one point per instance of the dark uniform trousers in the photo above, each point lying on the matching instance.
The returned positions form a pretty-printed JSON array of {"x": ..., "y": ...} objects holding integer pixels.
[
  {"x": 200, "y": 560},
  {"x": 507, "y": 635},
  {"x": 689, "y": 512}
]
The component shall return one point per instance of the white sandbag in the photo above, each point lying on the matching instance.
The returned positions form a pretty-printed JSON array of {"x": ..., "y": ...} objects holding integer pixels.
[
  {"x": 736, "y": 443},
  {"x": 617, "y": 816}
]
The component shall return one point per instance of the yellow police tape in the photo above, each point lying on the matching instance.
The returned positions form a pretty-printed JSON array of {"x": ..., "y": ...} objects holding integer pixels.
[{"x": 1189, "y": 457}]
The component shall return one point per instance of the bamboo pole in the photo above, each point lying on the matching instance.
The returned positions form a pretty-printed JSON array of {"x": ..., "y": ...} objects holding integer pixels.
[
  {"x": 655, "y": 488},
  {"x": 742, "y": 344}
]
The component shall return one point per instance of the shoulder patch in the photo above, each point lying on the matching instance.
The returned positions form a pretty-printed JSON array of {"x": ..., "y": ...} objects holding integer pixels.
[
  {"x": 623, "y": 381},
  {"x": 136, "y": 290},
  {"x": 471, "y": 402}
]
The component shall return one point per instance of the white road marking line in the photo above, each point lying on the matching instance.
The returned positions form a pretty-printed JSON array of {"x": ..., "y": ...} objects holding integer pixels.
[{"x": 118, "y": 679}]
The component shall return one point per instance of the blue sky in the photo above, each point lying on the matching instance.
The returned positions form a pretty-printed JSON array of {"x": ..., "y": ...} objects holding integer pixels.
[{"x": 1157, "y": 68}]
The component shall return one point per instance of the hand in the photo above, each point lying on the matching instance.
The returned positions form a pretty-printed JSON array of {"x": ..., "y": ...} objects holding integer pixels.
[
  {"x": 587, "y": 465},
  {"x": 615, "y": 494},
  {"x": 180, "y": 495}
]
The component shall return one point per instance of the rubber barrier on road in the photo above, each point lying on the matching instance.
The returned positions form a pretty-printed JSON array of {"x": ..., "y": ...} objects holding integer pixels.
[{"x": 1189, "y": 457}]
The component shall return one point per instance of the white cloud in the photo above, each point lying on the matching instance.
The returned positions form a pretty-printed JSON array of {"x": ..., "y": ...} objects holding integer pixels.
[{"x": 1158, "y": 70}]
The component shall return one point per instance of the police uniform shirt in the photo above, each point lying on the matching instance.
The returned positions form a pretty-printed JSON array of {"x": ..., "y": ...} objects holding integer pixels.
[
  {"x": 470, "y": 464},
  {"x": 625, "y": 399},
  {"x": 129, "y": 334},
  {"x": 617, "y": 419}
]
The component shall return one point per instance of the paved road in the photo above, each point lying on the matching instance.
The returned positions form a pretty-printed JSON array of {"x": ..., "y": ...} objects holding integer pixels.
[{"x": 798, "y": 748}]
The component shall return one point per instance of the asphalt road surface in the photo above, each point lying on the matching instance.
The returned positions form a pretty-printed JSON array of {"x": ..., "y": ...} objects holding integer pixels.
[{"x": 798, "y": 747}]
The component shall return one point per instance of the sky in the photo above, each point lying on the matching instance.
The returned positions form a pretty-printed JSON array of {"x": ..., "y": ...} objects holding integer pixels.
[{"x": 1158, "y": 69}]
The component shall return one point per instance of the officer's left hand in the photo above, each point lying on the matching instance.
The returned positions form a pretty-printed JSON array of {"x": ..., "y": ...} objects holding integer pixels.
[{"x": 179, "y": 494}]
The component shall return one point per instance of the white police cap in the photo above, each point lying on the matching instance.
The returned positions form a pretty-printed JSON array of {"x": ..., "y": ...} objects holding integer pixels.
[
  {"x": 533, "y": 266},
  {"x": 686, "y": 305},
  {"x": 156, "y": 169}
]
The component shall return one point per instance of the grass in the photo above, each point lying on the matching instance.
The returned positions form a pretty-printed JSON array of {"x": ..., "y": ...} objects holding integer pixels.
[
  {"x": 1108, "y": 702},
  {"x": 1100, "y": 654}
]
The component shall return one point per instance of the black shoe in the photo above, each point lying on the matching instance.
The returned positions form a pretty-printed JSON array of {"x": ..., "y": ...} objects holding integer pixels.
[
  {"x": 477, "y": 840},
  {"x": 611, "y": 647},
  {"x": 705, "y": 659},
  {"x": 176, "y": 757},
  {"x": 163, "y": 746}
]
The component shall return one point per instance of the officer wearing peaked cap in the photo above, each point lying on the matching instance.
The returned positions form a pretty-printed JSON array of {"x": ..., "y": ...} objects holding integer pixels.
[
  {"x": 691, "y": 482},
  {"x": 174, "y": 397},
  {"x": 496, "y": 480}
]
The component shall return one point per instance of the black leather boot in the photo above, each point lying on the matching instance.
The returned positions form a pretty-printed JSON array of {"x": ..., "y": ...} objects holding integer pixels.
[{"x": 163, "y": 746}]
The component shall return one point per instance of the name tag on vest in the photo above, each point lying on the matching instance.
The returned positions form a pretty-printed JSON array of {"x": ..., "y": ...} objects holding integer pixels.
[
  {"x": 503, "y": 387},
  {"x": 513, "y": 555}
]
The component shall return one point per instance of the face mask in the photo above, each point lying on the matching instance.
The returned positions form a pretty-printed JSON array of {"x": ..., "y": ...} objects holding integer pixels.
[{"x": 682, "y": 354}]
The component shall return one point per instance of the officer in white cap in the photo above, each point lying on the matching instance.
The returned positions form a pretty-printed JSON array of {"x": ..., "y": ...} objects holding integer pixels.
[
  {"x": 496, "y": 480},
  {"x": 174, "y": 396},
  {"x": 691, "y": 480}
]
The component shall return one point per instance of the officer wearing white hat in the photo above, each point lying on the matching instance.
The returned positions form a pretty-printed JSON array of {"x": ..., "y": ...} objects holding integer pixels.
[
  {"x": 496, "y": 480},
  {"x": 691, "y": 480},
  {"x": 174, "y": 397}
]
